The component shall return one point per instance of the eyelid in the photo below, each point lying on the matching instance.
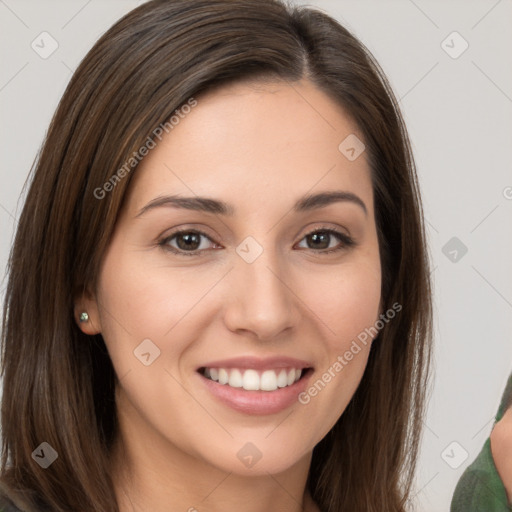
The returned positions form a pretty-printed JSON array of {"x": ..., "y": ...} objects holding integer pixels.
[
  {"x": 163, "y": 242},
  {"x": 345, "y": 239}
]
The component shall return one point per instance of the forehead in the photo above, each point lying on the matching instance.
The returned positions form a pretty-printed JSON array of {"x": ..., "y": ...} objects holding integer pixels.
[{"x": 254, "y": 141}]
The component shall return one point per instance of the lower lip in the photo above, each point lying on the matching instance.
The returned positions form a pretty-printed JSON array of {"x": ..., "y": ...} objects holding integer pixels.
[{"x": 257, "y": 402}]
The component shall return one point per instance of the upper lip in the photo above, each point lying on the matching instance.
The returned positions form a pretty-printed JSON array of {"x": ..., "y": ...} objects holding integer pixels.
[{"x": 258, "y": 363}]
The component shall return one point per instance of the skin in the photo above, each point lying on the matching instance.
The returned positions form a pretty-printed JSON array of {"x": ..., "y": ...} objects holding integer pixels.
[
  {"x": 258, "y": 147},
  {"x": 501, "y": 448}
]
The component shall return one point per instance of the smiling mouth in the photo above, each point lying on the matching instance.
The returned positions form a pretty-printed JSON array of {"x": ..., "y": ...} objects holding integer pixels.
[{"x": 255, "y": 380}]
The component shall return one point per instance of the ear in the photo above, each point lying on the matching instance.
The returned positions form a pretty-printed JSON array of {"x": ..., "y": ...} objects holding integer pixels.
[{"x": 85, "y": 302}]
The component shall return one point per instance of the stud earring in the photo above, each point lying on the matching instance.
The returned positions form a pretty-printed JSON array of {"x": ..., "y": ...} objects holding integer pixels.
[{"x": 84, "y": 317}]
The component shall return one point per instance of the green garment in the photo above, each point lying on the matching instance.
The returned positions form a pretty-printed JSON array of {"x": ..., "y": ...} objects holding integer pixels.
[{"x": 480, "y": 488}]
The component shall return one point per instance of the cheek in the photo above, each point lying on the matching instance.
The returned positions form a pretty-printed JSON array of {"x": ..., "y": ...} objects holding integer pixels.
[
  {"x": 347, "y": 300},
  {"x": 140, "y": 300},
  {"x": 144, "y": 310},
  {"x": 348, "y": 307}
]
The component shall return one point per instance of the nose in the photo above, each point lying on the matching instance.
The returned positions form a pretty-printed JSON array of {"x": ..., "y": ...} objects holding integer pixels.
[{"x": 262, "y": 299}]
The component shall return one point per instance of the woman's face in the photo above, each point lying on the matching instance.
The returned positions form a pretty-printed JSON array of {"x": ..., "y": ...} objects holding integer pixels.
[{"x": 248, "y": 290}]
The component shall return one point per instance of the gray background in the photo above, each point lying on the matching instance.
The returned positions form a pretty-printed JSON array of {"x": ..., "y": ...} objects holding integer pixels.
[{"x": 459, "y": 115}]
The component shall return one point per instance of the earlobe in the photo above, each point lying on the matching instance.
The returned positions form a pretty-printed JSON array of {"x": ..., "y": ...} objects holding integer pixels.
[{"x": 86, "y": 315}]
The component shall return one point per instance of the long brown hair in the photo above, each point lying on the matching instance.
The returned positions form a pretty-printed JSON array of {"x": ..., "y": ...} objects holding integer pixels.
[{"x": 59, "y": 383}]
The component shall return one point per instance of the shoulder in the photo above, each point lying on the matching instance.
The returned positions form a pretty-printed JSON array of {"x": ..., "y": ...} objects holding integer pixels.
[{"x": 480, "y": 487}]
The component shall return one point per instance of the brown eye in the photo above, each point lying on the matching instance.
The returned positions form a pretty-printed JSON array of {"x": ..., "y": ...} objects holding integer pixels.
[
  {"x": 321, "y": 240},
  {"x": 194, "y": 243},
  {"x": 186, "y": 242}
]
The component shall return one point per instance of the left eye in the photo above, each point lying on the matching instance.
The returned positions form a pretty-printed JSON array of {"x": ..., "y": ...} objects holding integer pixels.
[
  {"x": 320, "y": 237},
  {"x": 189, "y": 242}
]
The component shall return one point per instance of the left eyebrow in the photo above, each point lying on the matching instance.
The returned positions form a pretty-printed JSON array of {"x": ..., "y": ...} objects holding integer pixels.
[
  {"x": 324, "y": 199},
  {"x": 208, "y": 205}
]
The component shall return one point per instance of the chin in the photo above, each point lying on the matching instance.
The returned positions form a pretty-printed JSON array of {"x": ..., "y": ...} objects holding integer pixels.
[{"x": 258, "y": 458}]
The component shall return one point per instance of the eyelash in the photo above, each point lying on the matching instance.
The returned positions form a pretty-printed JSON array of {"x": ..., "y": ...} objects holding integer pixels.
[{"x": 346, "y": 241}]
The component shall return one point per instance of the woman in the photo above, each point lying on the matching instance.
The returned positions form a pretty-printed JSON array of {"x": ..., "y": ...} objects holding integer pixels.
[{"x": 219, "y": 290}]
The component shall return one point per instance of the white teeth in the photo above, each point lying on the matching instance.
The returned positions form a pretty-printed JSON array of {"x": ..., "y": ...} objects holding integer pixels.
[
  {"x": 268, "y": 380},
  {"x": 252, "y": 380},
  {"x": 235, "y": 379},
  {"x": 223, "y": 376},
  {"x": 282, "y": 379}
]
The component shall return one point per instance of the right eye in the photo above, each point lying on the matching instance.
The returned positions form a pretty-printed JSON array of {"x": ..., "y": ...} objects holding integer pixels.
[{"x": 188, "y": 242}]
